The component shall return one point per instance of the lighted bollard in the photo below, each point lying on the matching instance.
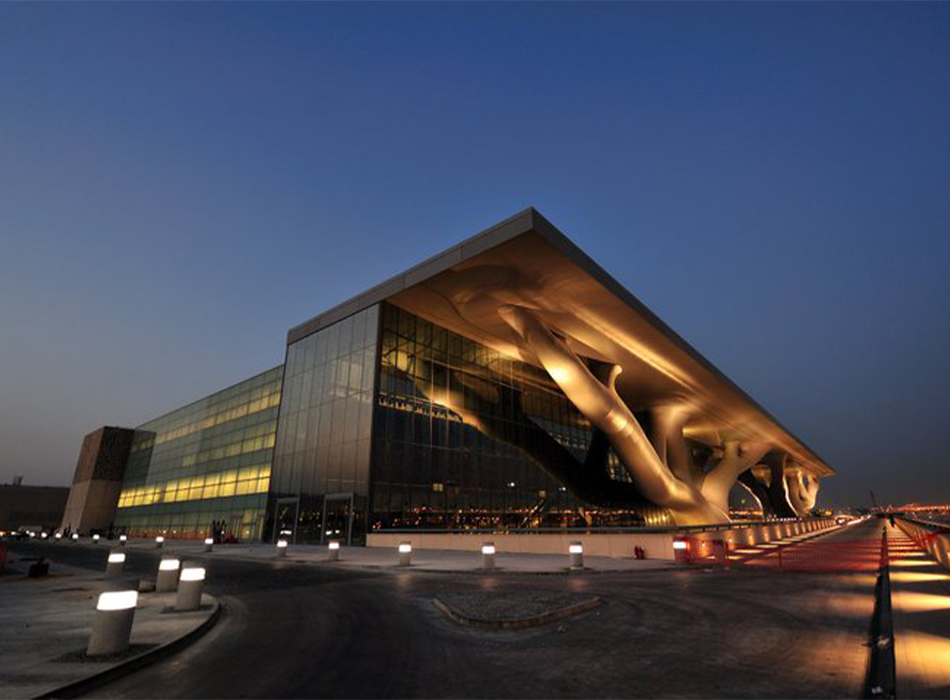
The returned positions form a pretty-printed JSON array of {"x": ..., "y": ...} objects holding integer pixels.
[
  {"x": 209, "y": 544},
  {"x": 333, "y": 550},
  {"x": 58, "y": 536},
  {"x": 488, "y": 555},
  {"x": 281, "y": 548},
  {"x": 576, "y": 550},
  {"x": 167, "y": 579},
  {"x": 190, "y": 585},
  {"x": 122, "y": 540},
  {"x": 95, "y": 539},
  {"x": 112, "y": 626},
  {"x": 115, "y": 565},
  {"x": 159, "y": 542},
  {"x": 75, "y": 537},
  {"x": 405, "y": 553}
]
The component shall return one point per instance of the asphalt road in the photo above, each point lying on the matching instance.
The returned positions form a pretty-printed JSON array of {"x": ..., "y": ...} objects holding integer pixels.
[{"x": 294, "y": 630}]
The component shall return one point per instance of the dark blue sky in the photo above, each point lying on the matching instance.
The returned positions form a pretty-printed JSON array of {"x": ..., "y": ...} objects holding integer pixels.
[{"x": 179, "y": 184}]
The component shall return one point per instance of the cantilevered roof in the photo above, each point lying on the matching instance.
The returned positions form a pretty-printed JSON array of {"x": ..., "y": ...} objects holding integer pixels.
[{"x": 526, "y": 260}]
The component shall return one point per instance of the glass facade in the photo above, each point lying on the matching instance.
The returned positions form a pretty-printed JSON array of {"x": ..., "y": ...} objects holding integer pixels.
[
  {"x": 466, "y": 437},
  {"x": 320, "y": 483},
  {"x": 208, "y": 461}
]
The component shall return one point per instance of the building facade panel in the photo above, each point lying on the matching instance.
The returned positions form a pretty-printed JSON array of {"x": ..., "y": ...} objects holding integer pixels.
[
  {"x": 208, "y": 461},
  {"x": 321, "y": 464},
  {"x": 466, "y": 437}
]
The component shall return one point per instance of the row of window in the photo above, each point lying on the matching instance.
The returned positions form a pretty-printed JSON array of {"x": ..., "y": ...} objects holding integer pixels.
[
  {"x": 248, "y": 408},
  {"x": 236, "y": 482}
]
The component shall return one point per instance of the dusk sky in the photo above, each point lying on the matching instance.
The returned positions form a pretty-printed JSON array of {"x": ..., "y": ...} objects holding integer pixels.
[{"x": 180, "y": 184}]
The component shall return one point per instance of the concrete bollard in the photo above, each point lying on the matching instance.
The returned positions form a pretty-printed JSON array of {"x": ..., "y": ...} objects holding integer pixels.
[
  {"x": 209, "y": 544},
  {"x": 116, "y": 564},
  {"x": 576, "y": 550},
  {"x": 281, "y": 548},
  {"x": 488, "y": 555},
  {"x": 190, "y": 585},
  {"x": 122, "y": 540},
  {"x": 112, "y": 626},
  {"x": 333, "y": 550},
  {"x": 167, "y": 579},
  {"x": 159, "y": 542},
  {"x": 405, "y": 553}
]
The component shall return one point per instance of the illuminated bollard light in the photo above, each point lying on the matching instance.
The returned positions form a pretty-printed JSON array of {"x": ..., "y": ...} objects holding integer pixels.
[
  {"x": 488, "y": 555},
  {"x": 209, "y": 544},
  {"x": 58, "y": 536},
  {"x": 281, "y": 548},
  {"x": 159, "y": 542},
  {"x": 333, "y": 550},
  {"x": 75, "y": 537},
  {"x": 44, "y": 535},
  {"x": 115, "y": 565},
  {"x": 123, "y": 539},
  {"x": 576, "y": 550},
  {"x": 112, "y": 626},
  {"x": 405, "y": 553},
  {"x": 167, "y": 579},
  {"x": 190, "y": 585},
  {"x": 95, "y": 539}
]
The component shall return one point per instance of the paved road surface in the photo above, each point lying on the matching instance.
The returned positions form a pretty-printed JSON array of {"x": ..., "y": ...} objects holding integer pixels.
[{"x": 313, "y": 631}]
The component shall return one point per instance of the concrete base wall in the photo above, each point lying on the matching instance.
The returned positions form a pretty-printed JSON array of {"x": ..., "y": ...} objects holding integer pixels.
[{"x": 657, "y": 545}]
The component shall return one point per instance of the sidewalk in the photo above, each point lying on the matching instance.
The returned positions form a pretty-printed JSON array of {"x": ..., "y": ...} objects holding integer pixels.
[
  {"x": 920, "y": 600},
  {"x": 384, "y": 558},
  {"x": 46, "y": 624}
]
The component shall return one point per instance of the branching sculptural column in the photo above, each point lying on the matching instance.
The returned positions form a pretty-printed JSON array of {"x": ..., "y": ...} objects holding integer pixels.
[
  {"x": 802, "y": 490},
  {"x": 663, "y": 475}
]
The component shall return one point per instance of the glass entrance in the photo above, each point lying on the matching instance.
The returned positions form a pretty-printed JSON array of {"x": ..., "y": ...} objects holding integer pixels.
[
  {"x": 285, "y": 519},
  {"x": 337, "y": 518}
]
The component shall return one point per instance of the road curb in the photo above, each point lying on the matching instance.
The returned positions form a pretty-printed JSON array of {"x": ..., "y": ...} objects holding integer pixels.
[
  {"x": 84, "y": 685},
  {"x": 519, "y": 623}
]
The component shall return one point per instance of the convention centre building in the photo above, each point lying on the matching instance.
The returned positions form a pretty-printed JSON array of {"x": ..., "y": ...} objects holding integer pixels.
[{"x": 506, "y": 384}]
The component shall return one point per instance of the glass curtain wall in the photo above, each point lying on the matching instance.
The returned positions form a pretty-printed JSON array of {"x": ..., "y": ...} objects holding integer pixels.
[
  {"x": 321, "y": 465},
  {"x": 208, "y": 461},
  {"x": 466, "y": 437}
]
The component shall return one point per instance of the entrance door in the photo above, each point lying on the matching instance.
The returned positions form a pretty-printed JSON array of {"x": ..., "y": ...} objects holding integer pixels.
[
  {"x": 337, "y": 518},
  {"x": 285, "y": 519}
]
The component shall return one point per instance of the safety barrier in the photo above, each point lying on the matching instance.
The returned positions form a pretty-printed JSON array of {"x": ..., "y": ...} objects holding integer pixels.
[{"x": 929, "y": 536}]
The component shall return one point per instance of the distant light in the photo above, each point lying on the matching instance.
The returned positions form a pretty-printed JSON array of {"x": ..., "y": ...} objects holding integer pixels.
[
  {"x": 511, "y": 484},
  {"x": 193, "y": 573},
  {"x": 58, "y": 535},
  {"x": 209, "y": 540},
  {"x": 95, "y": 538},
  {"x": 576, "y": 549},
  {"x": 75, "y": 535},
  {"x": 286, "y": 532},
  {"x": 159, "y": 539},
  {"x": 281, "y": 544},
  {"x": 334, "y": 545},
  {"x": 169, "y": 565},
  {"x": 405, "y": 548},
  {"x": 488, "y": 549},
  {"x": 117, "y": 600},
  {"x": 116, "y": 558},
  {"x": 679, "y": 544},
  {"x": 123, "y": 538},
  {"x": 44, "y": 535}
]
